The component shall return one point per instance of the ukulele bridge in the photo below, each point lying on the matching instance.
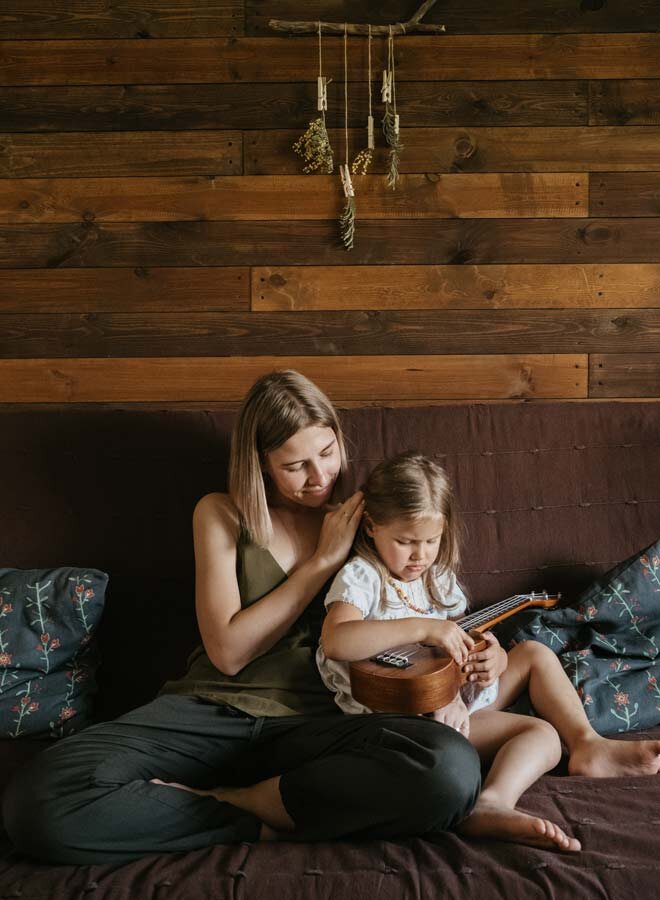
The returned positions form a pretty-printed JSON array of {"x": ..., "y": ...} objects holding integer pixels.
[{"x": 389, "y": 658}]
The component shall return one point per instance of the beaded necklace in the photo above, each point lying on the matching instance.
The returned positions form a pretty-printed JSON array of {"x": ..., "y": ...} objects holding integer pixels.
[{"x": 405, "y": 599}]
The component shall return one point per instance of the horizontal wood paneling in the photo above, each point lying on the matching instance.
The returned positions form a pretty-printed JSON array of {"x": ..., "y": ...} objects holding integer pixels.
[
  {"x": 90, "y": 291},
  {"x": 216, "y": 106},
  {"x": 625, "y": 194},
  {"x": 369, "y": 333},
  {"x": 455, "y": 287},
  {"x": 469, "y": 16},
  {"x": 159, "y": 243},
  {"x": 403, "y": 242},
  {"x": 122, "y": 153},
  {"x": 120, "y": 19},
  {"x": 624, "y": 375},
  {"x": 481, "y": 150},
  {"x": 438, "y": 58},
  {"x": 259, "y": 198},
  {"x": 342, "y": 378},
  {"x": 630, "y": 102}
]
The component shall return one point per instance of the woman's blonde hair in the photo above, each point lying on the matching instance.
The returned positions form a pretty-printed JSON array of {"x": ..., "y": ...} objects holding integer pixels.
[
  {"x": 411, "y": 486},
  {"x": 275, "y": 408}
]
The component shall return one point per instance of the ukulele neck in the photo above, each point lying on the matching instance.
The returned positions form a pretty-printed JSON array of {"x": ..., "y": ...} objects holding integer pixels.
[{"x": 482, "y": 619}]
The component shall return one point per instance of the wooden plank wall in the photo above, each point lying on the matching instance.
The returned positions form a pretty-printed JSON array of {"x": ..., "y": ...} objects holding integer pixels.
[{"x": 159, "y": 243}]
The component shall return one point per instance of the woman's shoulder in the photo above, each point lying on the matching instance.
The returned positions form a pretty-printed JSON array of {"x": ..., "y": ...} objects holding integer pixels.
[{"x": 217, "y": 511}]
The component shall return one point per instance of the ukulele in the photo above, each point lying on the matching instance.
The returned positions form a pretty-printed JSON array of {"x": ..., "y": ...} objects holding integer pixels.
[{"x": 419, "y": 678}]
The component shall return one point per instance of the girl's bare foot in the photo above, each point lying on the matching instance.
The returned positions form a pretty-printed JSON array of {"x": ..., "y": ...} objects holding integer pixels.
[
  {"x": 490, "y": 820},
  {"x": 599, "y": 757}
]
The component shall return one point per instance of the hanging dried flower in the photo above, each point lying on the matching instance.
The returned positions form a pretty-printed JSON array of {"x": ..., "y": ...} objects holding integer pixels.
[
  {"x": 347, "y": 218},
  {"x": 391, "y": 132},
  {"x": 391, "y": 119},
  {"x": 314, "y": 147},
  {"x": 362, "y": 162}
]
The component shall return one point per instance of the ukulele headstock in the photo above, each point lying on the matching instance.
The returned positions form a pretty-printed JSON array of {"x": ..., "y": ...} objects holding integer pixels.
[{"x": 543, "y": 599}]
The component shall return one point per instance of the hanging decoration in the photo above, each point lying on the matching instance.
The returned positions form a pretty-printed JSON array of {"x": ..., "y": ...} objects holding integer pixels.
[
  {"x": 347, "y": 218},
  {"x": 363, "y": 160},
  {"x": 414, "y": 25},
  {"x": 314, "y": 144},
  {"x": 391, "y": 118}
]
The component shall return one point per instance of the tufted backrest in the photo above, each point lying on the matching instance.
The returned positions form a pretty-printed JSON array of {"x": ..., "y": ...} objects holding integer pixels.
[{"x": 550, "y": 493}]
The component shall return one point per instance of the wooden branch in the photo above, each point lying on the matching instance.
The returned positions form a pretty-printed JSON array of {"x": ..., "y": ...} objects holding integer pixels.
[{"x": 409, "y": 27}]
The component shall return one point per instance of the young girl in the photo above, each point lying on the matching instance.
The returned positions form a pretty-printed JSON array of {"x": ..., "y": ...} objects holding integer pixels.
[{"x": 401, "y": 588}]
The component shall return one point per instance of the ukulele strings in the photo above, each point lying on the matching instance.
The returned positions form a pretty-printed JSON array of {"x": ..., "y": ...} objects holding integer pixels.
[
  {"x": 470, "y": 621},
  {"x": 491, "y": 612}
]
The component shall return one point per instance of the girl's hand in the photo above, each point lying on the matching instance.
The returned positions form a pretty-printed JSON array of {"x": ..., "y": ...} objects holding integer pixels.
[
  {"x": 486, "y": 667},
  {"x": 450, "y": 637},
  {"x": 454, "y": 714},
  {"x": 338, "y": 531}
]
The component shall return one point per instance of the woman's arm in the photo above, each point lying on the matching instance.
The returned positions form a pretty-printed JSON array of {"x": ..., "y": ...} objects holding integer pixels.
[
  {"x": 347, "y": 636},
  {"x": 233, "y": 636}
]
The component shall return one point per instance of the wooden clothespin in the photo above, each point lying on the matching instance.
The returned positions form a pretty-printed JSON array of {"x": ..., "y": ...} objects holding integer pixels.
[
  {"x": 386, "y": 89},
  {"x": 347, "y": 184},
  {"x": 322, "y": 92}
]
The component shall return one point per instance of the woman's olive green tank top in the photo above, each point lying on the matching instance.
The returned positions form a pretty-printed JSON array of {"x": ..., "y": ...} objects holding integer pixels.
[{"x": 282, "y": 682}]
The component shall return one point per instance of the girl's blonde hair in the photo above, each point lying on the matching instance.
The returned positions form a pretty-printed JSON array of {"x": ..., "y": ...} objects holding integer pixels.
[
  {"x": 277, "y": 406},
  {"x": 411, "y": 486}
]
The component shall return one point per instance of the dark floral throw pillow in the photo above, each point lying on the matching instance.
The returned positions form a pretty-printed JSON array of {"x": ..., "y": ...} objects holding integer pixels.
[
  {"x": 48, "y": 655},
  {"x": 608, "y": 642}
]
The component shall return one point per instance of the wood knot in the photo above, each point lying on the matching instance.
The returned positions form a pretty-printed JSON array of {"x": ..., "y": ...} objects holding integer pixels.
[
  {"x": 277, "y": 280},
  {"x": 465, "y": 147},
  {"x": 595, "y": 234}
]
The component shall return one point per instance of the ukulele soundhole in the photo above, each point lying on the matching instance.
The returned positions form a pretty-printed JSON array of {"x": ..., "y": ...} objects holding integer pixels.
[{"x": 397, "y": 660}]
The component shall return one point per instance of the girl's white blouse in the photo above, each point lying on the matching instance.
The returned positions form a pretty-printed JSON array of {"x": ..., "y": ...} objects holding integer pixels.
[{"x": 359, "y": 584}]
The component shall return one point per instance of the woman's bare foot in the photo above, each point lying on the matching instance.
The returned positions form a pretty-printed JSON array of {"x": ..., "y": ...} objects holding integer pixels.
[
  {"x": 226, "y": 795},
  {"x": 599, "y": 757},
  {"x": 490, "y": 820},
  {"x": 215, "y": 792}
]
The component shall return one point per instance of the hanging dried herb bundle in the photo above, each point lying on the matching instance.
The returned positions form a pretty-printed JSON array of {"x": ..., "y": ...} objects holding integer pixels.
[
  {"x": 391, "y": 132},
  {"x": 347, "y": 218},
  {"x": 314, "y": 147},
  {"x": 314, "y": 144},
  {"x": 391, "y": 119},
  {"x": 363, "y": 160}
]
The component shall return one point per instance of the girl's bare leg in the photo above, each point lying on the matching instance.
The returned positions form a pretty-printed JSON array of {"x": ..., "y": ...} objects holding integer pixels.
[
  {"x": 262, "y": 800},
  {"x": 534, "y": 666},
  {"x": 521, "y": 750}
]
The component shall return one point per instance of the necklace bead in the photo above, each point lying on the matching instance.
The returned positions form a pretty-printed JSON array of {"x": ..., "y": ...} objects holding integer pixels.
[{"x": 405, "y": 599}]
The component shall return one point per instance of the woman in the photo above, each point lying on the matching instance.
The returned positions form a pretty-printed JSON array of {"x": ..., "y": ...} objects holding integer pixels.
[{"x": 251, "y": 727}]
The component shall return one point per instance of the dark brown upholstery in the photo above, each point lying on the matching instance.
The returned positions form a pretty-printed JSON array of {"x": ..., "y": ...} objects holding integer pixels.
[{"x": 551, "y": 494}]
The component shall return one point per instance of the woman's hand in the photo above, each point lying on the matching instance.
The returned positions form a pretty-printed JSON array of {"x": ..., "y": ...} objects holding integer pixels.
[
  {"x": 338, "y": 532},
  {"x": 487, "y": 666},
  {"x": 450, "y": 637},
  {"x": 454, "y": 714}
]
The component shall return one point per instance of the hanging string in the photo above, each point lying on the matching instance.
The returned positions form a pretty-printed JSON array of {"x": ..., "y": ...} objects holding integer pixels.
[
  {"x": 369, "y": 46},
  {"x": 322, "y": 82},
  {"x": 346, "y": 92},
  {"x": 390, "y": 63}
]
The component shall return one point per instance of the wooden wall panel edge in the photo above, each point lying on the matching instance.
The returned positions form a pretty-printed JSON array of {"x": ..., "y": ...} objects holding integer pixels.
[
  {"x": 488, "y": 286},
  {"x": 343, "y": 378}
]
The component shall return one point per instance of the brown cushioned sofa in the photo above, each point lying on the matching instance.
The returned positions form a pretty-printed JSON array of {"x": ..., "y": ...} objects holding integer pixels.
[{"x": 552, "y": 494}]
